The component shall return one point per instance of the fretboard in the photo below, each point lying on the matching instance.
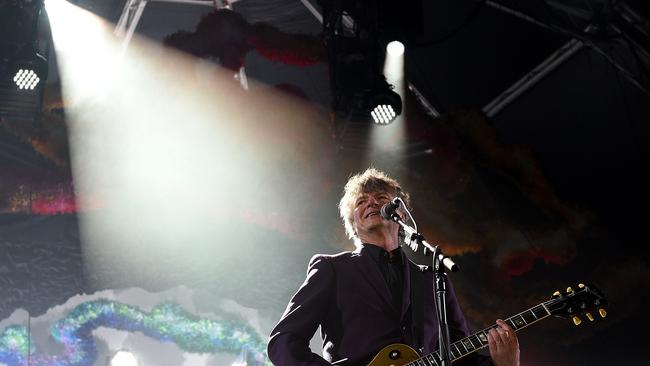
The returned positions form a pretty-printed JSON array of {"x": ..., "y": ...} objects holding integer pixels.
[{"x": 479, "y": 340}]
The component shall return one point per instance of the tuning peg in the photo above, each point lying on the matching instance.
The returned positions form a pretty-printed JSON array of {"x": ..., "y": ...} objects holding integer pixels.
[
  {"x": 602, "y": 312},
  {"x": 556, "y": 294},
  {"x": 569, "y": 289},
  {"x": 576, "y": 320},
  {"x": 590, "y": 317},
  {"x": 581, "y": 285}
]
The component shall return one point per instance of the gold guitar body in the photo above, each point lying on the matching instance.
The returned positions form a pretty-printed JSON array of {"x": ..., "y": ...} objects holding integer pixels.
[{"x": 394, "y": 355}]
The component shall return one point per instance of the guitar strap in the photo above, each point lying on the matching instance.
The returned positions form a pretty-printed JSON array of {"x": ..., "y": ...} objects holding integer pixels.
[{"x": 417, "y": 307}]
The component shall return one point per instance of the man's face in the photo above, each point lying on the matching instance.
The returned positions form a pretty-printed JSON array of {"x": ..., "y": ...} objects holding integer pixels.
[{"x": 366, "y": 215}]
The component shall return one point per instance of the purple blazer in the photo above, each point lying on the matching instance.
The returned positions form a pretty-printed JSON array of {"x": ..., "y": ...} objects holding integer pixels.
[{"x": 348, "y": 297}]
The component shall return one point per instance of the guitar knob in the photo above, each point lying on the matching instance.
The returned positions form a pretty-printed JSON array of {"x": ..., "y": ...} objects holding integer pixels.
[
  {"x": 394, "y": 354},
  {"x": 569, "y": 289},
  {"x": 581, "y": 285},
  {"x": 556, "y": 294},
  {"x": 602, "y": 312},
  {"x": 590, "y": 317},
  {"x": 576, "y": 320}
]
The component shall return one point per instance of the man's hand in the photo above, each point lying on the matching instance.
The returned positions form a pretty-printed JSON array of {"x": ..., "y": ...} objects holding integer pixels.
[{"x": 504, "y": 347}]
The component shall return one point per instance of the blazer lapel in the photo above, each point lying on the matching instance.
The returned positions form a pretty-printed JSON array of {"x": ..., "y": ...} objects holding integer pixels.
[{"x": 368, "y": 268}]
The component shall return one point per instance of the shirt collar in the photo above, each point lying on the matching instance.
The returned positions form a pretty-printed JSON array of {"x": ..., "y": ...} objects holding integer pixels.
[{"x": 378, "y": 253}]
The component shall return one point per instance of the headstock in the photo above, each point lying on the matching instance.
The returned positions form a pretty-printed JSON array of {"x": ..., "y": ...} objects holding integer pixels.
[{"x": 583, "y": 301}]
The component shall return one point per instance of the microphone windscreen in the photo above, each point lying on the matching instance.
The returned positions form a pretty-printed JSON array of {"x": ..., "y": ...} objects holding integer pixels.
[{"x": 388, "y": 210}]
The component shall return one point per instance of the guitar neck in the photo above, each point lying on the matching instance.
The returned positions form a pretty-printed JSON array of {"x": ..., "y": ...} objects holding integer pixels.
[{"x": 479, "y": 340}]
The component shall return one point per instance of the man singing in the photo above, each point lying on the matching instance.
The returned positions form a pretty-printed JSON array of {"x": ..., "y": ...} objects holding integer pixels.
[{"x": 364, "y": 300}]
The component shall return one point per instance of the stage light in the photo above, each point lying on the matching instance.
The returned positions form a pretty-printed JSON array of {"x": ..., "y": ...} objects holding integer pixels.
[
  {"x": 26, "y": 79},
  {"x": 21, "y": 43},
  {"x": 384, "y": 104},
  {"x": 123, "y": 358},
  {"x": 395, "y": 48},
  {"x": 29, "y": 70},
  {"x": 383, "y": 114}
]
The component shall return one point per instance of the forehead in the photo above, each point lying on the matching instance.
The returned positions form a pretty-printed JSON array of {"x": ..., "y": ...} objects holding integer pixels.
[{"x": 374, "y": 193}]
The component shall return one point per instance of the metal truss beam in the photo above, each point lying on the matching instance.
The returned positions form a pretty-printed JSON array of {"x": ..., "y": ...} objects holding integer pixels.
[
  {"x": 532, "y": 77},
  {"x": 132, "y": 13},
  {"x": 555, "y": 60},
  {"x": 129, "y": 20},
  {"x": 133, "y": 10}
]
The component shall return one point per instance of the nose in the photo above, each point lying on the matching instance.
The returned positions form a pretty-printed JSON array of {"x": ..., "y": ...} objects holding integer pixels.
[{"x": 373, "y": 202}]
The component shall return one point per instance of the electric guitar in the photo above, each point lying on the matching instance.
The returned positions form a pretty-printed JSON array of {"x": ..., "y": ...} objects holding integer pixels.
[{"x": 571, "y": 305}]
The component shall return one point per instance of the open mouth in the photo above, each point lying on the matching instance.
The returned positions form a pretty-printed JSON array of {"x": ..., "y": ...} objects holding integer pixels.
[{"x": 373, "y": 213}]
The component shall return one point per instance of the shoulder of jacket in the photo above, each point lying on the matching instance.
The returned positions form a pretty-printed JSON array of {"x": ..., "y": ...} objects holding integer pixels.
[{"x": 333, "y": 258}]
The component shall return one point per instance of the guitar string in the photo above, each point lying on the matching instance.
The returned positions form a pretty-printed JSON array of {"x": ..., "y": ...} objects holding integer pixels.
[{"x": 483, "y": 332}]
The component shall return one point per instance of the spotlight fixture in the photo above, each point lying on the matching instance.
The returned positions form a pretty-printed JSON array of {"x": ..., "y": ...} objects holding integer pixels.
[
  {"x": 356, "y": 55},
  {"x": 29, "y": 71},
  {"x": 123, "y": 358},
  {"x": 23, "y": 69},
  {"x": 383, "y": 104}
]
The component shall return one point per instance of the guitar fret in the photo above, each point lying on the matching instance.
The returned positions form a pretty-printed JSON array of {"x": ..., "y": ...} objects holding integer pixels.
[
  {"x": 483, "y": 337},
  {"x": 469, "y": 340},
  {"x": 451, "y": 351},
  {"x": 529, "y": 317},
  {"x": 467, "y": 343},
  {"x": 541, "y": 309},
  {"x": 432, "y": 360},
  {"x": 466, "y": 350},
  {"x": 519, "y": 321},
  {"x": 477, "y": 341},
  {"x": 480, "y": 340},
  {"x": 457, "y": 349},
  {"x": 438, "y": 358}
]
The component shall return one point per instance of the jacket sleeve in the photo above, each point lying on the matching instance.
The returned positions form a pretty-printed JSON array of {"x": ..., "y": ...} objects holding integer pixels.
[{"x": 289, "y": 342}]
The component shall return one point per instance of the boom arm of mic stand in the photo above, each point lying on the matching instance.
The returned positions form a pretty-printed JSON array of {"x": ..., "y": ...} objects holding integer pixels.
[{"x": 416, "y": 239}]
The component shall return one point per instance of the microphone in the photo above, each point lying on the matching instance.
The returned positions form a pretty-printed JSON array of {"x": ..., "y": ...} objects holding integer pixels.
[{"x": 389, "y": 210}]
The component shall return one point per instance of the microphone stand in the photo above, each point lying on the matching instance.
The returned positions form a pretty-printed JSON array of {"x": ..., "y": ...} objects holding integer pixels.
[{"x": 440, "y": 262}]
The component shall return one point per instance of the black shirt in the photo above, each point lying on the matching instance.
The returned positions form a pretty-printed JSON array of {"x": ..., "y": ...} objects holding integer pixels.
[{"x": 391, "y": 266}]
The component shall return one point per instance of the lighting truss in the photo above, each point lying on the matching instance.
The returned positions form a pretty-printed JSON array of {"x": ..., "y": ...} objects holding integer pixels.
[
  {"x": 628, "y": 18},
  {"x": 133, "y": 10}
]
